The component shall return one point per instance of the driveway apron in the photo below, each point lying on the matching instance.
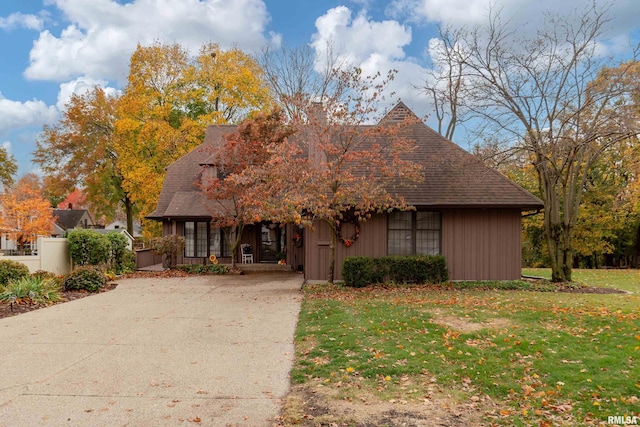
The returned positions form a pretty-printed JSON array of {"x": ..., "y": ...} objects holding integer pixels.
[{"x": 208, "y": 350}]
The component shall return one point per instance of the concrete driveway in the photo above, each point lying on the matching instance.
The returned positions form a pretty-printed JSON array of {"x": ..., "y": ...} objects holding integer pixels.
[{"x": 208, "y": 350}]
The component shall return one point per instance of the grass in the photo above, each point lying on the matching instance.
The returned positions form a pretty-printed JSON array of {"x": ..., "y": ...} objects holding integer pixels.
[{"x": 530, "y": 358}]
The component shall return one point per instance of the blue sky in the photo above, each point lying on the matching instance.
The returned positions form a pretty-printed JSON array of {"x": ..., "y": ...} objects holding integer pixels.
[{"x": 50, "y": 49}]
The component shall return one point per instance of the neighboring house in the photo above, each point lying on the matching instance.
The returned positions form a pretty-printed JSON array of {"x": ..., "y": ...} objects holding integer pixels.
[
  {"x": 122, "y": 231},
  {"x": 122, "y": 225},
  {"x": 465, "y": 211},
  {"x": 68, "y": 219}
]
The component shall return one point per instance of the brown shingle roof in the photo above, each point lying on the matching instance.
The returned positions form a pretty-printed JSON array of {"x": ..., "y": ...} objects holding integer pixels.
[
  {"x": 70, "y": 218},
  {"x": 453, "y": 177},
  {"x": 180, "y": 180}
]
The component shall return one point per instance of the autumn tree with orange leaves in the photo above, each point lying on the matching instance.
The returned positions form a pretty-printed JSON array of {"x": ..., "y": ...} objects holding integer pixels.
[
  {"x": 334, "y": 168},
  {"x": 236, "y": 181},
  {"x": 79, "y": 152},
  {"x": 116, "y": 148},
  {"x": 353, "y": 166},
  {"x": 170, "y": 99},
  {"x": 25, "y": 214}
]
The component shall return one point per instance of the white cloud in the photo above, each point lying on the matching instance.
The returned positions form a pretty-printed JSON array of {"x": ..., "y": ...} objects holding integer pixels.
[
  {"x": 358, "y": 40},
  {"x": 15, "y": 114},
  {"x": 102, "y": 34},
  {"x": 525, "y": 15},
  {"x": 456, "y": 12},
  {"x": 21, "y": 20},
  {"x": 374, "y": 46},
  {"x": 80, "y": 86},
  {"x": 7, "y": 146}
]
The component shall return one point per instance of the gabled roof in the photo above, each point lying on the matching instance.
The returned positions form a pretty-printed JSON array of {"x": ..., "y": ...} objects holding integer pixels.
[
  {"x": 453, "y": 177},
  {"x": 70, "y": 218},
  {"x": 180, "y": 196}
]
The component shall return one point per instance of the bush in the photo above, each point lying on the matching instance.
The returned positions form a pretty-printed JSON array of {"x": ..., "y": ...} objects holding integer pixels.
[
  {"x": 121, "y": 259},
  {"x": 118, "y": 244},
  {"x": 34, "y": 288},
  {"x": 128, "y": 262},
  {"x": 12, "y": 270},
  {"x": 362, "y": 271},
  {"x": 88, "y": 247},
  {"x": 47, "y": 275},
  {"x": 87, "y": 277},
  {"x": 203, "y": 268},
  {"x": 168, "y": 246}
]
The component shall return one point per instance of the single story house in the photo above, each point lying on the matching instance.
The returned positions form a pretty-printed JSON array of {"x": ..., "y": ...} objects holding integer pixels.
[{"x": 464, "y": 210}]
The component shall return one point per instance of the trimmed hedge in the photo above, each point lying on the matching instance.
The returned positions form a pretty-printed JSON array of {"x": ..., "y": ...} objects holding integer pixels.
[
  {"x": 362, "y": 271},
  {"x": 203, "y": 268}
]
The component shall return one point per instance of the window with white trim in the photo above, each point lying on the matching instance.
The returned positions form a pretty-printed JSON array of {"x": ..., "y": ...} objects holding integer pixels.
[{"x": 414, "y": 233}]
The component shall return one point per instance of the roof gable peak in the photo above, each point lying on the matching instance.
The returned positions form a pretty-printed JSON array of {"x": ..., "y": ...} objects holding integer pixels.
[{"x": 399, "y": 113}]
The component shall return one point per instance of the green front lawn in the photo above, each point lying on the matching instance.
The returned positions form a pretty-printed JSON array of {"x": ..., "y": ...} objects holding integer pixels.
[{"x": 524, "y": 358}]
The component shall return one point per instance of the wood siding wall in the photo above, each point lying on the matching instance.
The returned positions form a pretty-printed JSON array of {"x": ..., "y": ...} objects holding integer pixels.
[
  {"x": 479, "y": 244},
  {"x": 371, "y": 242},
  {"x": 295, "y": 254},
  {"x": 482, "y": 244}
]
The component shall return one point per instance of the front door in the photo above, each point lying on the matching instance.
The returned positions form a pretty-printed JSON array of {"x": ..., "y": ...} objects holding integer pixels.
[{"x": 271, "y": 243}]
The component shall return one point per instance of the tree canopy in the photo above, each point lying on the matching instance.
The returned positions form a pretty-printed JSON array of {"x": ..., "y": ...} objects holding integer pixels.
[
  {"x": 553, "y": 96},
  {"x": 26, "y": 214},
  {"x": 332, "y": 168},
  {"x": 116, "y": 148},
  {"x": 8, "y": 167},
  {"x": 79, "y": 151},
  {"x": 169, "y": 101}
]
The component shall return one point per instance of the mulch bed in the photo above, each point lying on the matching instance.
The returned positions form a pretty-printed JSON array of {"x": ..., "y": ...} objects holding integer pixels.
[
  {"x": 583, "y": 289},
  {"x": 575, "y": 288},
  {"x": 7, "y": 310}
]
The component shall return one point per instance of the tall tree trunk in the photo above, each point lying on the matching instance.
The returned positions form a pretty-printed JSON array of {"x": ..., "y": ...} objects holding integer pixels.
[
  {"x": 558, "y": 237},
  {"x": 636, "y": 249},
  {"x": 238, "y": 229},
  {"x": 332, "y": 253},
  {"x": 559, "y": 218},
  {"x": 128, "y": 208}
]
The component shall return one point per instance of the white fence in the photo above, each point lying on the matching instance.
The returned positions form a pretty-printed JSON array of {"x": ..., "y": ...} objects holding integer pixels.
[{"x": 53, "y": 255}]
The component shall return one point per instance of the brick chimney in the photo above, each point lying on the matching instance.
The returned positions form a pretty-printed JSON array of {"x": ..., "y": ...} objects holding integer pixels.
[{"x": 317, "y": 131}]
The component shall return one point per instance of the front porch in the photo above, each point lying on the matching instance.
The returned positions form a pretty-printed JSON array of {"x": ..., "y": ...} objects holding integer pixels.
[{"x": 266, "y": 244}]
